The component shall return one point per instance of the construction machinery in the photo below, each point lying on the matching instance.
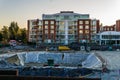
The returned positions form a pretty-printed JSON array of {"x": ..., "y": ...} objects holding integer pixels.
[{"x": 63, "y": 48}]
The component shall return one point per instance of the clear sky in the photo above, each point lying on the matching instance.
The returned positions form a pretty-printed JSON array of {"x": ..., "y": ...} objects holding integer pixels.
[{"x": 107, "y": 11}]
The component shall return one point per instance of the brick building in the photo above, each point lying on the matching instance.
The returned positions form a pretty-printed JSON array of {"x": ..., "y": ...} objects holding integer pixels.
[
  {"x": 118, "y": 25},
  {"x": 109, "y": 28},
  {"x": 64, "y": 27}
]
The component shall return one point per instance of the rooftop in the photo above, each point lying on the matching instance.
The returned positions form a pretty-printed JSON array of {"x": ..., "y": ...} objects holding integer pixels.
[{"x": 66, "y": 12}]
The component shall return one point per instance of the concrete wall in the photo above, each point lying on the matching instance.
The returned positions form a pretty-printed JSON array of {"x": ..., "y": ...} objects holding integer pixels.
[{"x": 64, "y": 59}]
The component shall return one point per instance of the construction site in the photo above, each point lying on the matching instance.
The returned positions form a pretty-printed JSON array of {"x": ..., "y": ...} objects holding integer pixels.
[{"x": 70, "y": 65}]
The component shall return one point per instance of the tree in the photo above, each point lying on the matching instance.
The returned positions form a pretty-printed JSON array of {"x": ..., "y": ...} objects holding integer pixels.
[
  {"x": 1, "y": 36},
  {"x": 5, "y": 34},
  {"x": 13, "y": 32},
  {"x": 23, "y": 35},
  {"x": 13, "y": 29}
]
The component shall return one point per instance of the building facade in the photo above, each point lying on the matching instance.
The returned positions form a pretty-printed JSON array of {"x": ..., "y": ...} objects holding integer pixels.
[
  {"x": 64, "y": 27},
  {"x": 109, "y": 28},
  {"x": 95, "y": 28},
  {"x": 108, "y": 38},
  {"x": 118, "y": 25}
]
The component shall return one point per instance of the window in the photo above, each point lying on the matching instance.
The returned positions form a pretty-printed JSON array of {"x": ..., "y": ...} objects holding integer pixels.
[
  {"x": 52, "y": 27},
  {"x": 80, "y": 31},
  {"x": 52, "y": 22},
  {"x": 46, "y": 36},
  {"x": 86, "y": 22},
  {"x": 61, "y": 28},
  {"x": 80, "y": 36},
  {"x": 47, "y": 16},
  {"x": 40, "y": 32},
  {"x": 62, "y": 32},
  {"x": 62, "y": 37},
  {"x": 71, "y": 27},
  {"x": 94, "y": 32},
  {"x": 46, "y": 31},
  {"x": 40, "y": 23},
  {"x": 71, "y": 32},
  {"x": 33, "y": 32},
  {"x": 94, "y": 28},
  {"x": 61, "y": 23},
  {"x": 57, "y": 22},
  {"x": 80, "y": 22},
  {"x": 41, "y": 36},
  {"x": 71, "y": 37},
  {"x": 75, "y": 22},
  {"x": 34, "y": 23},
  {"x": 94, "y": 23},
  {"x": 52, "y": 31},
  {"x": 71, "y": 22},
  {"x": 46, "y": 22},
  {"x": 40, "y": 27},
  {"x": 86, "y": 36},
  {"x": 81, "y": 27},
  {"x": 46, "y": 27},
  {"x": 87, "y": 27},
  {"x": 51, "y": 36},
  {"x": 111, "y": 29},
  {"x": 76, "y": 16},
  {"x": 105, "y": 36},
  {"x": 86, "y": 31},
  {"x": 66, "y": 17},
  {"x": 31, "y": 37},
  {"x": 104, "y": 28},
  {"x": 56, "y": 15}
]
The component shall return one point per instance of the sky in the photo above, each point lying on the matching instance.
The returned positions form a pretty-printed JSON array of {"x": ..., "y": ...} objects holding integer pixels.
[{"x": 107, "y": 11}]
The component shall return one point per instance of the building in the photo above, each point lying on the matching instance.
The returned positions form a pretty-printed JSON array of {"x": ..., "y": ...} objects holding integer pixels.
[
  {"x": 109, "y": 35},
  {"x": 118, "y": 25},
  {"x": 64, "y": 27},
  {"x": 108, "y": 28},
  {"x": 95, "y": 28},
  {"x": 108, "y": 38},
  {"x": 35, "y": 31},
  {"x": 115, "y": 27}
]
